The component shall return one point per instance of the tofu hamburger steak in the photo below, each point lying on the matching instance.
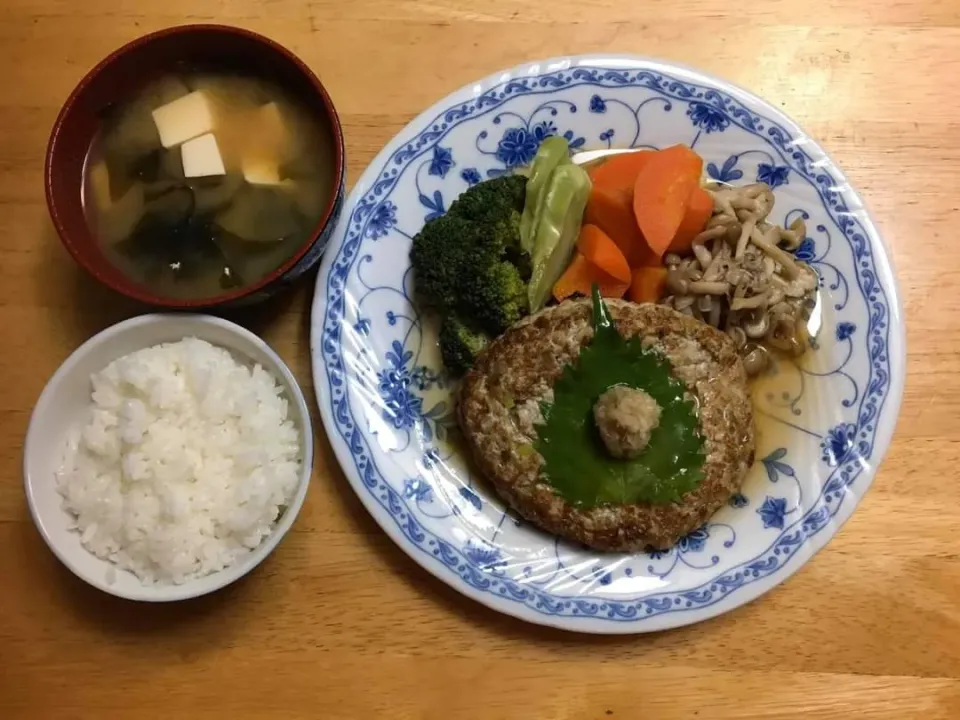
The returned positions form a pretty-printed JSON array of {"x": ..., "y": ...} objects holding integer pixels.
[{"x": 621, "y": 427}]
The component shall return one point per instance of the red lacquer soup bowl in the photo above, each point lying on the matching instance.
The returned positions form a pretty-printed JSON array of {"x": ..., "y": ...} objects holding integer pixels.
[{"x": 120, "y": 76}]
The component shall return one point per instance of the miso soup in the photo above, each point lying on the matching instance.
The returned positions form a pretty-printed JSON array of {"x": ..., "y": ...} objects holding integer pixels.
[{"x": 204, "y": 183}]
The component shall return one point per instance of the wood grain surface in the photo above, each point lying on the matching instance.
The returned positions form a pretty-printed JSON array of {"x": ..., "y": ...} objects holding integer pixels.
[{"x": 339, "y": 623}]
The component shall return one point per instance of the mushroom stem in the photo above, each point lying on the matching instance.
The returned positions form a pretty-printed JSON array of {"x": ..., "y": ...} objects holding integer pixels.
[
  {"x": 787, "y": 263},
  {"x": 741, "y": 276},
  {"x": 701, "y": 287},
  {"x": 749, "y": 303}
]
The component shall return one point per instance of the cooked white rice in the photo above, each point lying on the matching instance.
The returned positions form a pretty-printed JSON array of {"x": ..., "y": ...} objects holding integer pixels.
[{"x": 184, "y": 463}]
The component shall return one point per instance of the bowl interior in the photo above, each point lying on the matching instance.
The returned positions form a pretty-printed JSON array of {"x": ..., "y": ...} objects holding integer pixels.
[
  {"x": 119, "y": 77},
  {"x": 66, "y": 398}
]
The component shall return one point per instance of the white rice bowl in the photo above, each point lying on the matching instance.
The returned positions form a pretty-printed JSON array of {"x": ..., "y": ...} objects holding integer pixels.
[{"x": 183, "y": 464}]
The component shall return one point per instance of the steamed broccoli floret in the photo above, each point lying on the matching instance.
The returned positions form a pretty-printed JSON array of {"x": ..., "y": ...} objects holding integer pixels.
[
  {"x": 465, "y": 268},
  {"x": 468, "y": 262},
  {"x": 491, "y": 200},
  {"x": 459, "y": 345},
  {"x": 440, "y": 252},
  {"x": 496, "y": 298}
]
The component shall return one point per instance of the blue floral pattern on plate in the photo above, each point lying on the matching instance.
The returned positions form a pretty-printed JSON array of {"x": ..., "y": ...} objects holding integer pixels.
[
  {"x": 388, "y": 408},
  {"x": 442, "y": 161},
  {"x": 773, "y": 175}
]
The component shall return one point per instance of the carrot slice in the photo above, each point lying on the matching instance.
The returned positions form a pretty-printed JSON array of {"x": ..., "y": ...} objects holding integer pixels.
[
  {"x": 597, "y": 247},
  {"x": 619, "y": 172},
  {"x": 699, "y": 210},
  {"x": 662, "y": 194},
  {"x": 580, "y": 277},
  {"x": 611, "y": 210},
  {"x": 648, "y": 284}
]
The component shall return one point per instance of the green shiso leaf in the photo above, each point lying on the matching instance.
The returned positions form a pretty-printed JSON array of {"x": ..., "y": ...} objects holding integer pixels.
[{"x": 577, "y": 464}]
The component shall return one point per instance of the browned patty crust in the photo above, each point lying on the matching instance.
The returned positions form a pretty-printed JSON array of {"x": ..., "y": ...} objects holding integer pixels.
[{"x": 499, "y": 406}]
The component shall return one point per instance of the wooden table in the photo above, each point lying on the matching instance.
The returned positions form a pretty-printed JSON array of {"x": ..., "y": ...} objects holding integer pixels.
[{"x": 340, "y": 623}]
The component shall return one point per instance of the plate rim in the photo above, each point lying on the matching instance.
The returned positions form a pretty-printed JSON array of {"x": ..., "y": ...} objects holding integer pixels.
[{"x": 886, "y": 277}]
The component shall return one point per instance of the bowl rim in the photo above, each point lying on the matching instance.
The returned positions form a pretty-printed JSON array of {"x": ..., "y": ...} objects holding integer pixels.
[
  {"x": 131, "y": 289},
  {"x": 213, "y": 581}
]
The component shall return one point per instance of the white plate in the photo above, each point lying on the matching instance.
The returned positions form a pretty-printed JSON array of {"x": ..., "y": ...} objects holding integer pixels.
[{"x": 386, "y": 408}]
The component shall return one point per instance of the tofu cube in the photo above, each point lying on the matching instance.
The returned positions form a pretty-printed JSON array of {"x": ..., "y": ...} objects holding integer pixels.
[
  {"x": 201, "y": 157},
  {"x": 260, "y": 171},
  {"x": 266, "y": 144},
  {"x": 185, "y": 118},
  {"x": 272, "y": 131},
  {"x": 100, "y": 186}
]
